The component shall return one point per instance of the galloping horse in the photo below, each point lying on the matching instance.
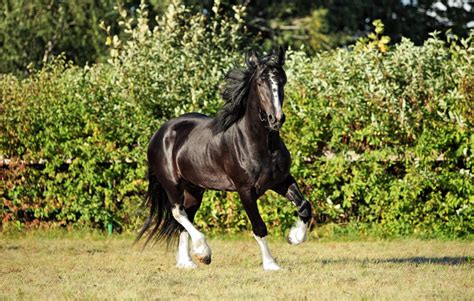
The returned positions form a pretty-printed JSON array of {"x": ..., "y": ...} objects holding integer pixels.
[{"x": 238, "y": 150}]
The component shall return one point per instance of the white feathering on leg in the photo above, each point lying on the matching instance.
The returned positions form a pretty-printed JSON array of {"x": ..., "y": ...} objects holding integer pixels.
[
  {"x": 298, "y": 233},
  {"x": 200, "y": 247},
  {"x": 183, "y": 258},
  {"x": 269, "y": 263}
]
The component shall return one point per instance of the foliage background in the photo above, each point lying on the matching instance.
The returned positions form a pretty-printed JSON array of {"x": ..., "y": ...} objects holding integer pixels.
[
  {"x": 33, "y": 32},
  {"x": 381, "y": 135}
]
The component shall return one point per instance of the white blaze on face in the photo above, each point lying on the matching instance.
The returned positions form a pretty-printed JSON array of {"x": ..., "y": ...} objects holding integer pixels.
[{"x": 273, "y": 78}]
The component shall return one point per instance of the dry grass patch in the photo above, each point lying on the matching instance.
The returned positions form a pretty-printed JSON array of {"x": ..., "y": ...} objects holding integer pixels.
[{"x": 58, "y": 268}]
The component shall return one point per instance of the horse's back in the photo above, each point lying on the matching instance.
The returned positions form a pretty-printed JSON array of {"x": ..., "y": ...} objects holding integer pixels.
[
  {"x": 186, "y": 150},
  {"x": 165, "y": 143},
  {"x": 176, "y": 129}
]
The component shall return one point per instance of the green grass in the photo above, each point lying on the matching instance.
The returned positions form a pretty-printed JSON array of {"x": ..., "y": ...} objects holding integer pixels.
[{"x": 72, "y": 266}]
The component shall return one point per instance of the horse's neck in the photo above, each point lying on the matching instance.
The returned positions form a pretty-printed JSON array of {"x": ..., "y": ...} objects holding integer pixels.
[
  {"x": 259, "y": 140},
  {"x": 251, "y": 122}
]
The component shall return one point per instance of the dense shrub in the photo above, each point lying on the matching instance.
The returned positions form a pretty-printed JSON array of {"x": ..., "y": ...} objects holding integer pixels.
[
  {"x": 33, "y": 31},
  {"x": 86, "y": 129},
  {"x": 378, "y": 137},
  {"x": 397, "y": 131}
]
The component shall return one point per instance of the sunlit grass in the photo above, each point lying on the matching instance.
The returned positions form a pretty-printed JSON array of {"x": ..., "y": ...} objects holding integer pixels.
[{"x": 82, "y": 265}]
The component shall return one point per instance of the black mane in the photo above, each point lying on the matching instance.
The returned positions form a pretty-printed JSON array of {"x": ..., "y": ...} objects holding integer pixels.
[
  {"x": 235, "y": 95},
  {"x": 235, "y": 92}
]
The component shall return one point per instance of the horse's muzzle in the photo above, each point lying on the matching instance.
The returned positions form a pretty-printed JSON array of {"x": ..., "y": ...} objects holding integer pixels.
[{"x": 274, "y": 123}]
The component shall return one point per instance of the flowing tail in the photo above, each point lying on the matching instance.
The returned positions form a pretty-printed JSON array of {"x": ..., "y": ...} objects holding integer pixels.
[{"x": 160, "y": 224}]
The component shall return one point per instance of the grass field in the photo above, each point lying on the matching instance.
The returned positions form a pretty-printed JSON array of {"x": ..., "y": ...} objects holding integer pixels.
[{"x": 91, "y": 267}]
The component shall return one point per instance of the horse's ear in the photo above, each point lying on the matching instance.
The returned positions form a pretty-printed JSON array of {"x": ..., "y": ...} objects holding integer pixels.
[
  {"x": 252, "y": 59},
  {"x": 281, "y": 55}
]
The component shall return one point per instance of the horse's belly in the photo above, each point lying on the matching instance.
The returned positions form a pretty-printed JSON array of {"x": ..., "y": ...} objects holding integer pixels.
[
  {"x": 214, "y": 183},
  {"x": 207, "y": 178}
]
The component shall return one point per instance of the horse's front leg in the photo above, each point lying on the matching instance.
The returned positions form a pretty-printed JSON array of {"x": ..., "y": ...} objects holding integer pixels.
[
  {"x": 249, "y": 200},
  {"x": 290, "y": 190}
]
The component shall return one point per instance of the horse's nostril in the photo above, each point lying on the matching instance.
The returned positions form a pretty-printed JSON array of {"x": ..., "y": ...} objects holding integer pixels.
[{"x": 271, "y": 118}]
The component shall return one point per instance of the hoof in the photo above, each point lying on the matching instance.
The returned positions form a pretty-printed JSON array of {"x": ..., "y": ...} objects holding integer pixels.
[
  {"x": 271, "y": 266},
  {"x": 204, "y": 259},
  {"x": 202, "y": 251},
  {"x": 298, "y": 233},
  {"x": 186, "y": 265}
]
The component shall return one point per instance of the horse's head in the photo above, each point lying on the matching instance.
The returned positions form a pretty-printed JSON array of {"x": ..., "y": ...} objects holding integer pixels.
[{"x": 269, "y": 81}]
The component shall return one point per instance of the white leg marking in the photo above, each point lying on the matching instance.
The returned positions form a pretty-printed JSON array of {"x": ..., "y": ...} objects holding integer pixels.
[
  {"x": 298, "y": 233},
  {"x": 269, "y": 263},
  {"x": 183, "y": 259},
  {"x": 200, "y": 247}
]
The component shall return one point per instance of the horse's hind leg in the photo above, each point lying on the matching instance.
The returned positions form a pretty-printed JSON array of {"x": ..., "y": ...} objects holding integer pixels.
[
  {"x": 183, "y": 258},
  {"x": 192, "y": 202},
  {"x": 200, "y": 247}
]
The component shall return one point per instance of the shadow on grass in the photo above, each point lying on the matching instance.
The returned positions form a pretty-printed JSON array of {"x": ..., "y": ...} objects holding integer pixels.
[{"x": 447, "y": 260}]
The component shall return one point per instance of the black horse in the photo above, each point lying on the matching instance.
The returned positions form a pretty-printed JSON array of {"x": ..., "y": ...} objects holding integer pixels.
[{"x": 238, "y": 150}]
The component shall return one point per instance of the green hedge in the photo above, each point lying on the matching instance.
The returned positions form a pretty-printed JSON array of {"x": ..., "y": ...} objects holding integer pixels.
[{"x": 379, "y": 138}]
